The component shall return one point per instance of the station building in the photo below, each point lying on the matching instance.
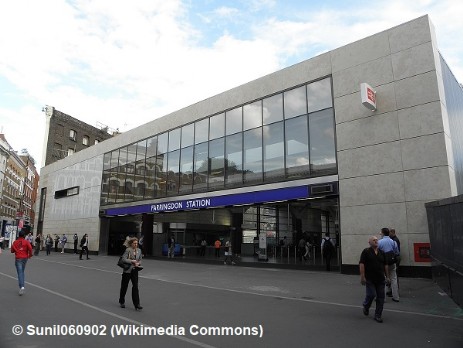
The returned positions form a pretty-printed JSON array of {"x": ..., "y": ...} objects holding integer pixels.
[{"x": 291, "y": 154}]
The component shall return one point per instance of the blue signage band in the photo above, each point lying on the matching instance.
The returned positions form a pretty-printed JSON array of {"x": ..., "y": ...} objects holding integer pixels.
[{"x": 267, "y": 196}]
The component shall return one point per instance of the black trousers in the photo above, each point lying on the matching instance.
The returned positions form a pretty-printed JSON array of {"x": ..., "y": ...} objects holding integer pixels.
[
  {"x": 82, "y": 251},
  {"x": 328, "y": 262},
  {"x": 126, "y": 277}
]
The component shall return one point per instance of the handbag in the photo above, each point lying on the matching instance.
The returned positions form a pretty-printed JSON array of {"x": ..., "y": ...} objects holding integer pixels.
[{"x": 122, "y": 264}]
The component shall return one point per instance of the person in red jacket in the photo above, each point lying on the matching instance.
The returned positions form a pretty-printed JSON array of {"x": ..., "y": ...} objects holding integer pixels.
[{"x": 23, "y": 251}]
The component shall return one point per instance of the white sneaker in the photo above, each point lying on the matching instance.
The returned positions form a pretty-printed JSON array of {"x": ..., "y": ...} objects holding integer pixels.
[{"x": 21, "y": 291}]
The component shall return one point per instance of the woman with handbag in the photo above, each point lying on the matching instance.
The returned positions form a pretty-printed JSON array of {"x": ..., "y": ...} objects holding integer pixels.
[{"x": 132, "y": 258}]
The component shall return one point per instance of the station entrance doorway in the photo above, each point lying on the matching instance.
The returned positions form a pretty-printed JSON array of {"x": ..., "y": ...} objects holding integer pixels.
[{"x": 284, "y": 224}]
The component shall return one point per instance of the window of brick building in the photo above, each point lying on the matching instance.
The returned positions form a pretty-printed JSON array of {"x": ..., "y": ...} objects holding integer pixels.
[{"x": 73, "y": 134}]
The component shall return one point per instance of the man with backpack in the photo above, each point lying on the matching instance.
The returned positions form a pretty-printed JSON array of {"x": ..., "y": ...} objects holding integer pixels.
[{"x": 327, "y": 247}]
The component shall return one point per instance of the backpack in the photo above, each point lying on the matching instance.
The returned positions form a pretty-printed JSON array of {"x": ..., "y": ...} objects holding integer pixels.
[
  {"x": 328, "y": 247},
  {"x": 390, "y": 258}
]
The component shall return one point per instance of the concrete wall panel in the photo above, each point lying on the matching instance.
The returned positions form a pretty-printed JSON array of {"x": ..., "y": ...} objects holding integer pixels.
[
  {"x": 376, "y": 189},
  {"x": 369, "y": 131},
  {"x": 370, "y": 160}
]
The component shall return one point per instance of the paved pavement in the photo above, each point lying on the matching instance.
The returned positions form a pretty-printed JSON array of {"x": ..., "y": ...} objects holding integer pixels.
[{"x": 200, "y": 303}]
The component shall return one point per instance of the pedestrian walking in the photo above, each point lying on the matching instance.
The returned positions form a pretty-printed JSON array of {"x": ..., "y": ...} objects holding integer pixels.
[
  {"x": 327, "y": 247},
  {"x": 48, "y": 244},
  {"x": 38, "y": 242},
  {"x": 132, "y": 256},
  {"x": 374, "y": 275},
  {"x": 217, "y": 245},
  {"x": 56, "y": 242},
  {"x": 140, "y": 245},
  {"x": 76, "y": 240},
  {"x": 84, "y": 246},
  {"x": 307, "y": 253},
  {"x": 171, "y": 247},
  {"x": 23, "y": 252},
  {"x": 203, "y": 247},
  {"x": 228, "y": 253},
  {"x": 63, "y": 241}
]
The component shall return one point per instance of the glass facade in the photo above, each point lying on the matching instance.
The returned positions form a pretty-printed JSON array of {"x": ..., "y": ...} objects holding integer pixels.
[
  {"x": 286, "y": 136},
  {"x": 454, "y": 102}
]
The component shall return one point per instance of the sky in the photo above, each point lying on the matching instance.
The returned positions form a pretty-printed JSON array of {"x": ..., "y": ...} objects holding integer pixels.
[{"x": 124, "y": 63}]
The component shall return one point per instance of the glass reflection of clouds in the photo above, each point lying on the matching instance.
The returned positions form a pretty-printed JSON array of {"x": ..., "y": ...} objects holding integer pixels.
[
  {"x": 252, "y": 115},
  {"x": 289, "y": 135}
]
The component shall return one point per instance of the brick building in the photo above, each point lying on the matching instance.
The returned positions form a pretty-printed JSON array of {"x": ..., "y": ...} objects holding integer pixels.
[{"x": 66, "y": 135}]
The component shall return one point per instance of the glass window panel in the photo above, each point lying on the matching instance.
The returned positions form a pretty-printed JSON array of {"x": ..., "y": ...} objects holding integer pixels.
[
  {"x": 114, "y": 160},
  {"x": 174, "y": 139},
  {"x": 272, "y": 109},
  {"x": 252, "y": 115},
  {"x": 216, "y": 164},
  {"x": 188, "y": 135},
  {"x": 150, "y": 177},
  {"x": 234, "y": 120},
  {"x": 105, "y": 187},
  {"x": 130, "y": 172},
  {"x": 107, "y": 161},
  {"x": 297, "y": 147},
  {"x": 234, "y": 160},
  {"x": 121, "y": 174},
  {"x": 186, "y": 169},
  {"x": 131, "y": 158},
  {"x": 151, "y": 147},
  {"x": 173, "y": 163},
  {"x": 128, "y": 197},
  {"x": 122, "y": 159},
  {"x": 140, "y": 190},
  {"x": 160, "y": 185},
  {"x": 252, "y": 159},
  {"x": 295, "y": 102},
  {"x": 140, "y": 168},
  {"x": 140, "y": 171},
  {"x": 113, "y": 188},
  {"x": 201, "y": 131},
  {"x": 161, "y": 144},
  {"x": 274, "y": 151},
  {"x": 322, "y": 146},
  {"x": 319, "y": 95},
  {"x": 217, "y": 126},
  {"x": 200, "y": 167}
]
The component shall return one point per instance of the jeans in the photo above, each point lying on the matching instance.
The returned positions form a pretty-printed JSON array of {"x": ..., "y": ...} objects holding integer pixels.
[
  {"x": 20, "y": 268},
  {"x": 375, "y": 290}
]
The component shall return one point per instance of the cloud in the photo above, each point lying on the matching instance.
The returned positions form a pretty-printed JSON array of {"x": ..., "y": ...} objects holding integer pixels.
[{"x": 126, "y": 63}]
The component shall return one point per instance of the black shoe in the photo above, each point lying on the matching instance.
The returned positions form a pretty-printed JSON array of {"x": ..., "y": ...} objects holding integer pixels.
[
  {"x": 366, "y": 311},
  {"x": 122, "y": 305},
  {"x": 138, "y": 308},
  {"x": 395, "y": 300},
  {"x": 378, "y": 319},
  {"x": 88, "y": 258}
]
